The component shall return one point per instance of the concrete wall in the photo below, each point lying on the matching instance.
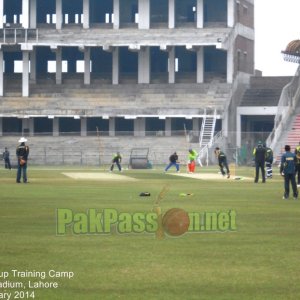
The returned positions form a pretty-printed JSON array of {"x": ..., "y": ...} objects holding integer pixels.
[
  {"x": 245, "y": 13},
  {"x": 244, "y": 57}
]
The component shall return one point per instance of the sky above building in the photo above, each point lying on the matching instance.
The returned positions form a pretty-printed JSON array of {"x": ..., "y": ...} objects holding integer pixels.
[{"x": 276, "y": 24}]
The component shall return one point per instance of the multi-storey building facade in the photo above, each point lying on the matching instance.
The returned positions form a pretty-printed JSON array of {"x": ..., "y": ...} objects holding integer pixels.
[{"x": 120, "y": 65}]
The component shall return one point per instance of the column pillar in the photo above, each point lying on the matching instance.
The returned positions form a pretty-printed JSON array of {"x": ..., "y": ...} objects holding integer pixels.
[
  {"x": 225, "y": 123},
  {"x": 171, "y": 14},
  {"x": 230, "y": 13},
  {"x": 1, "y": 126},
  {"x": 58, "y": 74},
  {"x": 87, "y": 69},
  {"x": 32, "y": 21},
  {"x": 115, "y": 66},
  {"x": 116, "y": 9},
  {"x": 111, "y": 125},
  {"x": 144, "y": 65},
  {"x": 1, "y": 75},
  {"x": 83, "y": 127},
  {"x": 172, "y": 65},
  {"x": 136, "y": 127},
  {"x": 33, "y": 65},
  {"x": 196, "y": 126},
  {"x": 31, "y": 126},
  {"x": 168, "y": 127},
  {"x": 28, "y": 124},
  {"x": 230, "y": 59},
  {"x": 200, "y": 65},
  {"x": 56, "y": 127},
  {"x": 142, "y": 126},
  {"x": 59, "y": 15},
  {"x": 238, "y": 129},
  {"x": 25, "y": 126},
  {"x": 86, "y": 14},
  {"x": 25, "y": 74},
  {"x": 25, "y": 13},
  {"x": 139, "y": 127},
  {"x": 1, "y": 13},
  {"x": 200, "y": 14},
  {"x": 144, "y": 14}
]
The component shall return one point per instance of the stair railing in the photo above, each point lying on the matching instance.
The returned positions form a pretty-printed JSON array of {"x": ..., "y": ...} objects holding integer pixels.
[{"x": 287, "y": 104}]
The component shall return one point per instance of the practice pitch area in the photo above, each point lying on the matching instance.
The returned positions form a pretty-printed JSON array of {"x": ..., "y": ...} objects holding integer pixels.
[{"x": 95, "y": 225}]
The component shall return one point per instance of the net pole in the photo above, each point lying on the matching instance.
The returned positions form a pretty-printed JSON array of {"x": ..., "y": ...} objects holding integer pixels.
[{"x": 99, "y": 141}]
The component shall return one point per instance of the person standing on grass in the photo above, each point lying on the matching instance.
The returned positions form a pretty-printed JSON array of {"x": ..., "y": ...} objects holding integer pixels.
[
  {"x": 259, "y": 154},
  {"x": 288, "y": 170},
  {"x": 173, "y": 162},
  {"x": 117, "y": 159},
  {"x": 192, "y": 157},
  {"x": 22, "y": 153},
  {"x": 297, "y": 153},
  {"x": 6, "y": 159},
  {"x": 222, "y": 159},
  {"x": 269, "y": 161}
]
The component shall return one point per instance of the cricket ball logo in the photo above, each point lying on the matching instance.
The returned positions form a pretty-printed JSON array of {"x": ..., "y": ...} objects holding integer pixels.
[{"x": 174, "y": 222}]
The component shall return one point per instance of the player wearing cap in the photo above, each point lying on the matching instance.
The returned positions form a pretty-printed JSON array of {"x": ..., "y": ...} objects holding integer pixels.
[
  {"x": 259, "y": 154},
  {"x": 22, "y": 153},
  {"x": 288, "y": 170}
]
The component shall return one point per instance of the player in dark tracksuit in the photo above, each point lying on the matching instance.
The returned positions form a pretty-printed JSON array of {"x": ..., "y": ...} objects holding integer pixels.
[
  {"x": 222, "y": 159},
  {"x": 297, "y": 152},
  {"x": 288, "y": 170},
  {"x": 6, "y": 159},
  {"x": 117, "y": 158},
  {"x": 259, "y": 154},
  {"x": 173, "y": 162}
]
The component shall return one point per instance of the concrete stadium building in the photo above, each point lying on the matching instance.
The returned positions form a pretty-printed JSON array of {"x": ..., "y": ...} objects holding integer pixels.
[{"x": 124, "y": 67}]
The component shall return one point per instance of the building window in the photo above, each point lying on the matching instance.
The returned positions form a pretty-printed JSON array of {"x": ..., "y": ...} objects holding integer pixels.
[
  {"x": 80, "y": 66},
  {"x": 18, "y": 66},
  {"x": 176, "y": 65},
  {"x": 109, "y": 18},
  {"x": 51, "y": 68}
]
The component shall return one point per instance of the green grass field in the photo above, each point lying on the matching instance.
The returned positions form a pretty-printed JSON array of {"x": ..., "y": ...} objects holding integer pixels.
[{"x": 260, "y": 260}]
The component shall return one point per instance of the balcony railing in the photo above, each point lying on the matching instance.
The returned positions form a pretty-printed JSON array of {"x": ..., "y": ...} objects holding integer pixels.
[{"x": 18, "y": 35}]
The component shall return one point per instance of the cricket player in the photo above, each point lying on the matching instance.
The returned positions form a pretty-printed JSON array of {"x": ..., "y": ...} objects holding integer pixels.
[
  {"x": 288, "y": 170},
  {"x": 6, "y": 159},
  {"x": 222, "y": 159},
  {"x": 173, "y": 162},
  {"x": 117, "y": 159},
  {"x": 297, "y": 153},
  {"x": 259, "y": 154},
  {"x": 192, "y": 157},
  {"x": 269, "y": 161},
  {"x": 22, "y": 153}
]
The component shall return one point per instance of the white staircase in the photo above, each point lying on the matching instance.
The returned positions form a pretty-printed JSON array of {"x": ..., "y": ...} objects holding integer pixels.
[
  {"x": 206, "y": 137},
  {"x": 207, "y": 129}
]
